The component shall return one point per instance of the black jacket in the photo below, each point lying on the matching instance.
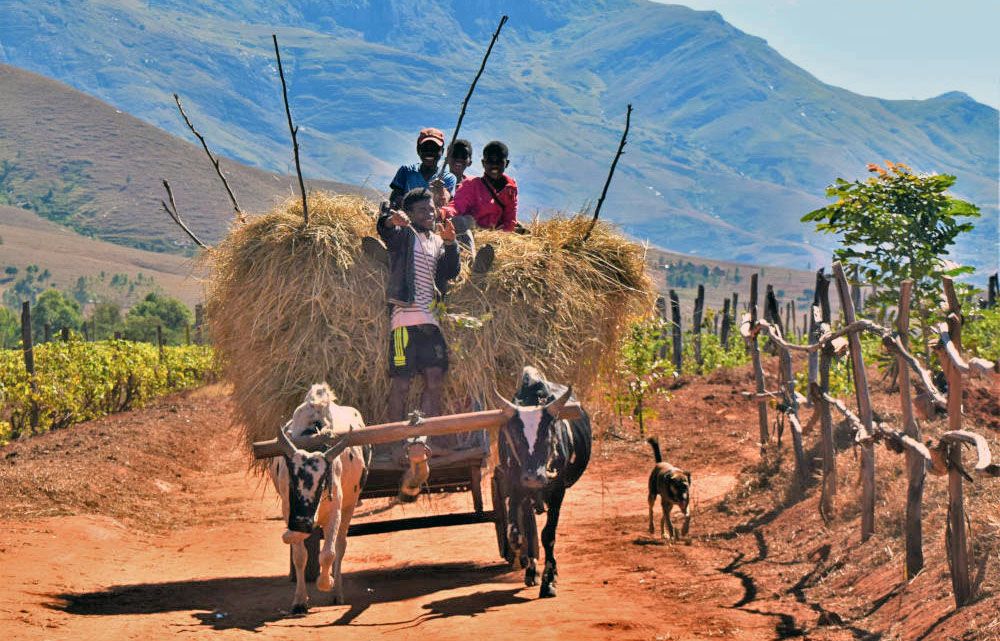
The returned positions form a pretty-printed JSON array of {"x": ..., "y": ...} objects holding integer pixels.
[{"x": 399, "y": 240}]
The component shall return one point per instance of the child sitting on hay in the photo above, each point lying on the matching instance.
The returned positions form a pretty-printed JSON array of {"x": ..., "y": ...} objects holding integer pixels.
[{"x": 421, "y": 262}]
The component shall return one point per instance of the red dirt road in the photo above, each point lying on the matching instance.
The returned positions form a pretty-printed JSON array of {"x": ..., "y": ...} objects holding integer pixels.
[{"x": 146, "y": 525}]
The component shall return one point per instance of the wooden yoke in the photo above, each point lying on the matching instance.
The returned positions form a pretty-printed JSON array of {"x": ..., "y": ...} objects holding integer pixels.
[{"x": 389, "y": 432}]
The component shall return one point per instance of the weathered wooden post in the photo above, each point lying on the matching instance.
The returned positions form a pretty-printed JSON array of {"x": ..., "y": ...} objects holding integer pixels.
[
  {"x": 159, "y": 340},
  {"x": 734, "y": 307},
  {"x": 118, "y": 336},
  {"x": 675, "y": 313},
  {"x": 915, "y": 464},
  {"x": 791, "y": 325},
  {"x": 64, "y": 334},
  {"x": 715, "y": 324},
  {"x": 86, "y": 332},
  {"x": 661, "y": 313},
  {"x": 187, "y": 333},
  {"x": 46, "y": 333},
  {"x": 199, "y": 320},
  {"x": 699, "y": 309},
  {"x": 29, "y": 358},
  {"x": 726, "y": 325},
  {"x": 820, "y": 323},
  {"x": 758, "y": 369},
  {"x": 864, "y": 408},
  {"x": 955, "y": 535},
  {"x": 991, "y": 300}
]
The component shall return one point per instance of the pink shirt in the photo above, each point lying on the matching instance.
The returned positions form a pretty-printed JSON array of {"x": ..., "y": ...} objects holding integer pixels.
[{"x": 475, "y": 198}]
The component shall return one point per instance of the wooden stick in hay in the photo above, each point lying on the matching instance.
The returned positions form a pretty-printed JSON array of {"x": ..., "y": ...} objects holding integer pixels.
[
  {"x": 176, "y": 217},
  {"x": 472, "y": 87},
  {"x": 607, "y": 183},
  {"x": 292, "y": 128},
  {"x": 214, "y": 159}
]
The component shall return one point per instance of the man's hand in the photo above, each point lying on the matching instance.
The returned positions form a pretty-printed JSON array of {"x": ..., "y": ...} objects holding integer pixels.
[
  {"x": 439, "y": 192},
  {"x": 399, "y": 218},
  {"x": 447, "y": 231}
]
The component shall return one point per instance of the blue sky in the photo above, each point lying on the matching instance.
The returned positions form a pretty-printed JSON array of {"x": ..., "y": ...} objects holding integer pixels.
[{"x": 885, "y": 48}]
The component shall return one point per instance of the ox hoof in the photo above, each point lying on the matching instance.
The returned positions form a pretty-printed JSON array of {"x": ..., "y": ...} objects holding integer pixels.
[
  {"x": 324, "y": 583},
  {"x": 531, "y": 577},
  {"x": 300, "y": 608},
  {"x": 548, "y": 591}
]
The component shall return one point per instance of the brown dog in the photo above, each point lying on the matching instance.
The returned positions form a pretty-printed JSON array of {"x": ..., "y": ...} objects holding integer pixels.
[{"x": 673, "y": 486}]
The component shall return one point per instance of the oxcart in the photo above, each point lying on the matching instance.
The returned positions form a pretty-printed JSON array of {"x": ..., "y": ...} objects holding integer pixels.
[{"x": 465, "y": 468}]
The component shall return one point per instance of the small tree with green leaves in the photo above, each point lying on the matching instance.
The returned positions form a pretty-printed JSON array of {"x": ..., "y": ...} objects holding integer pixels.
[
  {"x": 156, "y": 309},
  {"x": 897, "y": 225},
  {"x": 640, "y": 368},
  {"x": 10, "y": 329}
]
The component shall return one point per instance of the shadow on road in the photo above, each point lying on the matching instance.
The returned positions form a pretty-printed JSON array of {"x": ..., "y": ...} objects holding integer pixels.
[{"x": 249, "y": 603}]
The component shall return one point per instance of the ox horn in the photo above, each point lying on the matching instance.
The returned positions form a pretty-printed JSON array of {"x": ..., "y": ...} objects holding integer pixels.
[
  {"x": 287, "y": 447},
  {"x": 556, "y": 406},
  {"x": 509, "y": 409},
  {"x": 336, "y": 449}
]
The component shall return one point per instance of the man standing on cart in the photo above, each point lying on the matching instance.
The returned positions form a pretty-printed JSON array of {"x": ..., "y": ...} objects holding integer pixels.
[{"x": 423, "y": 257}]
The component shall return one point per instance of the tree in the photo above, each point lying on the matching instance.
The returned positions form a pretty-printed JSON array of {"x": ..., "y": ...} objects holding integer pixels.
[
  {"x": 156, "y": 309},
  {"x": 10, "y": 329},
  {"x": 896, "y": 225},
  {"x": 57, "y": 310},
  {"x": 640, "y": 368},
  {"x": 107, "y": 319}
]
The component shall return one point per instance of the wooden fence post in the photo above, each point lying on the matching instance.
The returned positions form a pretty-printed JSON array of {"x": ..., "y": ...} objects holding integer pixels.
[
  {"x": 199, "y": 320},
  {"x": 758, "y": 369},
  {"x": 187, "y": 333},
  {"x": 864, "y": 408},
  {"x": 675, "y": 313},
  {"x": 915, "y": 465},
  {"x": 64, "y": 334},
  {"x": 699, "y": 310},
  {"x": 793, "y": 329},
  {"x": 46, "y": 333},
  {"x": 821, "y": 319},
  {"x": 118, "y": 336},
  {"x": 86, "y": 332},
  {"x": 991, "y": 300},
  {"x": 715, "y": 325},
  {"x": 726, "y": 325},
  {"x": 955, "y": 534},
  {"x": 661, "y": 313},
  {"x": 159, "y": 340},
  {"x": 29, "y": 358}
]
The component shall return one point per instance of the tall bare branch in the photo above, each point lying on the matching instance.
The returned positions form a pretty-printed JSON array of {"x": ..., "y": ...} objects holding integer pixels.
[
  {"x": 607, "y": 183},
  {"x": 472, "y": 87},
  {"x": 213, "y": 158},
  {"x": 172, "y": 212},
  {"x": 292, "y": 128}
]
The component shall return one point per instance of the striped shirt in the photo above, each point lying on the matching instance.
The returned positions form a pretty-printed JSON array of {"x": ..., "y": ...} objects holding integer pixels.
[{"x": 426, "y": 251}]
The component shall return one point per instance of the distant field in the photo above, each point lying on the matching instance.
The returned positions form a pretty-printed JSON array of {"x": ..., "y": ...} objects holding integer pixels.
[{"x": 29, "y": 239}]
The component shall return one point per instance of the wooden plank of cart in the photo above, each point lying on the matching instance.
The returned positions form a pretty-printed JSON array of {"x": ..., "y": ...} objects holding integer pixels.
[{"x": 462, "y": 466}]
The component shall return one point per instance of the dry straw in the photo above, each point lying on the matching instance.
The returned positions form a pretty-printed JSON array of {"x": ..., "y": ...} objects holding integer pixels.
[{"x": 289, "y": 305}]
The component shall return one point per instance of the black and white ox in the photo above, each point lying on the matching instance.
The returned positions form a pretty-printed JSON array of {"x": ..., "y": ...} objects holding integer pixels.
[
  {"x": 540, "y": 457},
  {"x": 318, "y": 488}
]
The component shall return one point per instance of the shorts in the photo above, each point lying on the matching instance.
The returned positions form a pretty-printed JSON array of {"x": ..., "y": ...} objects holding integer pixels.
[{"x": 415, "y": 348}]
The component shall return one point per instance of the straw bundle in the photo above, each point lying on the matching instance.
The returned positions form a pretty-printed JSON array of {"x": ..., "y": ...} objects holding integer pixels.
[{"x": 290, "y": 305}]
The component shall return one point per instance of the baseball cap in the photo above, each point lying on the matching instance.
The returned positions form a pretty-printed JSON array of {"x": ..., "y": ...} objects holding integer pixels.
[{"x": 430, "y": 133}]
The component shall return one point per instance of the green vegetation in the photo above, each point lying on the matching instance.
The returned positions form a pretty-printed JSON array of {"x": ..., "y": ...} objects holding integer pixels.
[
  {"x": 981, "y": 334},
  {"x": 10, "y": 329},
  {"x": 77, "y": 381},
  {"x": 55, "y": 310},
  {"x": 643, "y": 366},
  {"x": 26, "y": 288},
  {"x": 897, "y": 225},
  {"x": 157, "y": 310}
]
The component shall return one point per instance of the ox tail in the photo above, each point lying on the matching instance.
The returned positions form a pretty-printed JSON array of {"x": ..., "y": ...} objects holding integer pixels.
[{"x": 655, "y": 444}]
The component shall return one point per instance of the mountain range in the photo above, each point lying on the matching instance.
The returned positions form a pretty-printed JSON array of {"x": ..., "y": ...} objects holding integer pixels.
[{"x": 730, "y": 143}]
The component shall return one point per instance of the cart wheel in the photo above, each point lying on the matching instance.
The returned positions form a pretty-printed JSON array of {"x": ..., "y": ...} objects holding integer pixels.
[{"x": 500, "y": 520}]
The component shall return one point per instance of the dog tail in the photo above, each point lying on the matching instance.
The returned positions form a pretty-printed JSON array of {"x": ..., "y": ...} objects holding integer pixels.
[{"x": 655, "y": 444}]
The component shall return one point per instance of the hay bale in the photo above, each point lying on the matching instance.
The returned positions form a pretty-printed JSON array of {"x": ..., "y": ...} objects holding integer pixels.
[{"x": 289, "y": 305}]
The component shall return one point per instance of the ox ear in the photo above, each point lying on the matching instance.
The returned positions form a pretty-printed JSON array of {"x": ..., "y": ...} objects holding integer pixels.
[
  {"x": 285, "y": 443},
  {"x": 556, "y": 406},
  {"x": 509, "y": 409}
]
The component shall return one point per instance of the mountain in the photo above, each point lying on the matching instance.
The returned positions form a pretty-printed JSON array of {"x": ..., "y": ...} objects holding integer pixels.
[
  {"x": 730, "y": 143},
  {"x": 80, "y": 162}
]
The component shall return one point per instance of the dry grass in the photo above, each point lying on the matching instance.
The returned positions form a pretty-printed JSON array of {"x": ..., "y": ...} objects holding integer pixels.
[{"x": 290, "y": 305}]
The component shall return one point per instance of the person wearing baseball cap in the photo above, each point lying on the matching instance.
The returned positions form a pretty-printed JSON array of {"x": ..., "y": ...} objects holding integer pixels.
[{"x": 430, "y": 145}]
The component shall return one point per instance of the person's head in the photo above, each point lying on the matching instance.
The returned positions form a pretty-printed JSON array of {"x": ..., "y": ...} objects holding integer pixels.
[
  {"x": 495, "y": 159},
  {"x": 419, "y": 206},
  {"x": 430, "y": 144},
  {"x": 459, "y": 156}
]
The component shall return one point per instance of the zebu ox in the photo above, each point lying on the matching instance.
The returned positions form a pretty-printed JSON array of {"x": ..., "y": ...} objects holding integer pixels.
[
  {"x": 318, "y": 487},
  {"x": 540, "y": 457}
]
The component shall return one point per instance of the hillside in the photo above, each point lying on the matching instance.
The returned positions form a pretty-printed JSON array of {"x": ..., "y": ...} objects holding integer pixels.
[
  {"x": 730, "y": 143},
  {"x": 79, "y": 162},
  {"x": 31, "y": 240}
]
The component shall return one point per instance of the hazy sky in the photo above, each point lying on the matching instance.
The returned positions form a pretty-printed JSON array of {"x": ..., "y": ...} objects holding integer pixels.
[{"x": 884, "y": 48}]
